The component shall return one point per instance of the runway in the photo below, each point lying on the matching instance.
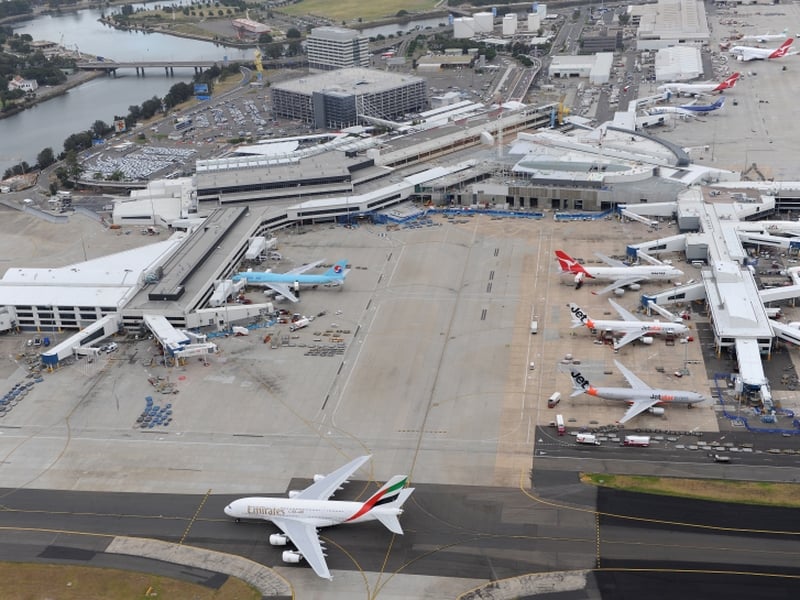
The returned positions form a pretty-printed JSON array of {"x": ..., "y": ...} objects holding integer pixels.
[{"x": 462, "y": 532}]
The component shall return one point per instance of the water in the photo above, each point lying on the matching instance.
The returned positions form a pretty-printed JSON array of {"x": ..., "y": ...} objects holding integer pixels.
[{"x": 49, "y": 123}]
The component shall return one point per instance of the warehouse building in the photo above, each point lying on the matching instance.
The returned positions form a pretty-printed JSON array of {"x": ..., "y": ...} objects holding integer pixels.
[
  {"x": 597, "y": 67},
  {"x": 330, "y": 48},
  {"x": 336, "y": 99},
  {"x": 670, "y": 23}
]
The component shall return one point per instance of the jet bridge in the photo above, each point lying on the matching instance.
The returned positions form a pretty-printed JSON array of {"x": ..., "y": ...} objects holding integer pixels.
[
  {"x": 673, "y": 243},
  {"x": 682, "y": 293}
]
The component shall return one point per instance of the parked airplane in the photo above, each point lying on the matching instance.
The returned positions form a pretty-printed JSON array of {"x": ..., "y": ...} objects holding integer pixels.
[
  {"x": 687, "y": 110},
  {"x": 693, "y": 89},
  {"x": 302, "y": 513},
  {"x": 751, "y": 53},
  {"x": 281, "y": 282},
  {"x": 631, "y": 328},
  {"x": 640, "y": 396},
  {"x": 618, "y": 272},
  {"x": 766, "y": 37}
]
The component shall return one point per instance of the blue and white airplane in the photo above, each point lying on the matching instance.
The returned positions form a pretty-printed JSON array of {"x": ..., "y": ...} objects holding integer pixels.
[
  {"x": 688, "y": 110},
  {"x": 282, "y": 283}
]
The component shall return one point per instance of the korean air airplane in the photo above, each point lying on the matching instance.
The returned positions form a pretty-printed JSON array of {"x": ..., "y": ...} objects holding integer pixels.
[{"x": 282, "y": 283}]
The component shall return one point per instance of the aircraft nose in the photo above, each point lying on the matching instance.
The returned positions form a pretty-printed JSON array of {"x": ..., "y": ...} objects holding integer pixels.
[{"x": 229, "y": 510}]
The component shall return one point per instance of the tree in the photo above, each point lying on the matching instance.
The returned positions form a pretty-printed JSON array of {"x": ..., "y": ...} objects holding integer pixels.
[
  {"x": 293, "y": 33},
  {"x": 100, "y": 128},
  {"x": 73, "y": 166},
  {"x": 45, "y": 158},
  {"x": 265, "y": 38},
  {"x": 623, "y": 18}
]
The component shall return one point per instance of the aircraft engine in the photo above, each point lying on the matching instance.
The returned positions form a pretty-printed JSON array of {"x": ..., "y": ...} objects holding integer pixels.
[
  {"x": 293, "y": 493},
  {"x": 291, "y": 556},
  {"x": 656, "y": 410},
  {"x": 278, "y": 539},
  {"x": 318, "y": 477},
  {"x": 635, "y": 287},
  {"x": 619, "y": 291},
  {"x": 647, "y": 340}
]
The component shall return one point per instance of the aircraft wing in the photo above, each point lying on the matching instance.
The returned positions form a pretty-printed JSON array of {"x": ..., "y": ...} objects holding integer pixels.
[
  {"x": 304, "y": 537},
  {"x": 635, "y": 383},
  {"x": 304, "y": 268},
  {"x": 638, "y": 407},
  {"x": 282, "y": 289},
  {"x": 623, "y": 312},
  {"x": 613, "y": 262},
  {"x": 627, "y": 339},
  {"x": 325, "y": 487},
  {"x": 618, "y": 283}
]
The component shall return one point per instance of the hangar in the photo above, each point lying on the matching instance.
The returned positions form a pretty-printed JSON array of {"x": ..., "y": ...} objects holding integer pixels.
[
  {"x": 596, "y": 67},
  {"x": 670, "y": 23}
]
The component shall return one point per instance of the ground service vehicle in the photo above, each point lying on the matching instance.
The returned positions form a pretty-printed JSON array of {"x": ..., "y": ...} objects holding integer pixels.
[
  {"x": 553, "y": 400},
  {"x": 587, "y": 438},
  {"x": 637, "y": 440},
  {"x": 560, "y": 425}
]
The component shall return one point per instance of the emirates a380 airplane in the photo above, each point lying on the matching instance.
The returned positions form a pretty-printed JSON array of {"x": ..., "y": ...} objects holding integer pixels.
[{"x": 302, "y": 513}]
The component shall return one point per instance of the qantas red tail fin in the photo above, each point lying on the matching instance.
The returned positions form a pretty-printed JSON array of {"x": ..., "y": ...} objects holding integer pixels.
[
  {"x": 783, "y": 49},
  {"x": 568, "y": 264},
  {"x": 728, "y": 83}
]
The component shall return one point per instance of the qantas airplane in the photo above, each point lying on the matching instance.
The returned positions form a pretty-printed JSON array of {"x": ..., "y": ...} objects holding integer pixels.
[
  {"x": 640, "y": 396},
  {"x": 766, "y": 37},
  {"x": 693, "y": 89},
  {"x": 751, "y": 53},
  {"x": 687, "y": 110},
  {"x": 281, "y": 282},
  {"x": 620, "y": 274},
  {"x": 301, "y": 514},
  {"x": 631, "y": 328}
]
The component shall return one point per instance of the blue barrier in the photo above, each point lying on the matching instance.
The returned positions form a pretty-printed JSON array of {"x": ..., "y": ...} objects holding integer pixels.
[{"x": 734, "y": 418}]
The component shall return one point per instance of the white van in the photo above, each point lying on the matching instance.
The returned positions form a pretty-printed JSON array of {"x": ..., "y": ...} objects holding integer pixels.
[
  {"x": 534, "y": 327},
  {"x": 553, "y": 401}
]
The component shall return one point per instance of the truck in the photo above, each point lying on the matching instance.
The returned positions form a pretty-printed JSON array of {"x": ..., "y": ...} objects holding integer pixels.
[
  {"x": 637, "y": 440},
  {"x": 587, "y": 438},
  {"x": 534, "y": 326},
  {"x": 560, "y": 425},
  {"x": 299, "y": 324}
]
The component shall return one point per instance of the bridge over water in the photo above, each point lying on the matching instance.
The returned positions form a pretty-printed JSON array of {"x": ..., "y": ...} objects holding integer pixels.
[{"x": 169, "y": 66}]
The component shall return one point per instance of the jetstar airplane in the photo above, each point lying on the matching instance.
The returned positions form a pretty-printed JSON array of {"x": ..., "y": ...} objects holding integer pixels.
[
  {"x": 766, "y": 37},
  {"x": 618, "y": 272},
  {"x": 281, "y": 282},
  {"x": 631, "y": 328},
  {"x": 302, "y": 513},
  {"x": 640, "y": 396},
  {"x": 694, "y": 89},
  {"x": 744, "y": 53},
  {"x": 687, "y": 110}
]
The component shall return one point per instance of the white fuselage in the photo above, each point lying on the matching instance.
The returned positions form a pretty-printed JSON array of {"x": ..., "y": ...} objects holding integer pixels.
[
  {"x": 646, "y": 327},
  {"x": 645, "y": 272},
  {"x": 662, "y": 396},
  {"x": 688, "y": 88},
  {"x": 320, "y": 513}
]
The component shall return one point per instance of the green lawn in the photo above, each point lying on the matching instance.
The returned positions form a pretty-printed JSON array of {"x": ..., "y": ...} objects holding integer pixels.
[
  {"x": 742, "y": 492},
  {"x": 350, "y": 10}
]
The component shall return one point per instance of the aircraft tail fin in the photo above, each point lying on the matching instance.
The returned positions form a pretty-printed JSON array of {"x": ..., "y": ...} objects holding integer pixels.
[
  {"x": 338, "y": 270},
  {"x": 579, "y": 383},
  {"x": 729, "y": 82},
  {"x": 567, "y": 264},
  {"x": 391, "y": 494}
]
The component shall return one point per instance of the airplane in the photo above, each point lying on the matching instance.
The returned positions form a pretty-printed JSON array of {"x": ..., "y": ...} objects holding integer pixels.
[
  {"x": 766, "y": 37},
  {"x": 620, "y": 274},
  {"x": 640, "y": 396},
  {"x": 687, "y": 110},
  {"x": 744, "y": 53},
  {"x": 301, "y": 514},
  {"x": 281, "y": 282},
  {"x": 631, "y": 327},
  {"x": 693, "y": 89}
]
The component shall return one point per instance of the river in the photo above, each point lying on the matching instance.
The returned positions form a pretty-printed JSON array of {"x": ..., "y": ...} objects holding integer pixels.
[{"x": 49, "y": 123}]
